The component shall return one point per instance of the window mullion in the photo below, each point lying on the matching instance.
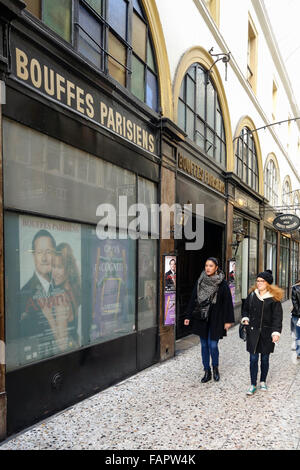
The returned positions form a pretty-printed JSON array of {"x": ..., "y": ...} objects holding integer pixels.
[{"x": 75, "y": 23}]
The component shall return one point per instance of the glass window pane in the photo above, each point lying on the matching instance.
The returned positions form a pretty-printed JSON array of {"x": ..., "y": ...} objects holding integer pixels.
[
  {"x": 34, "y": 7},
  {"x": 150, "y": 56},
  {"x": 200, "y": 139},
  {"x": 219, "y": 123},
  {"x": 139, "y": 37},
  {"x": 252, "y": 261},
  {"x": 138, "y": 78},
  {"x": 47, "y": 189},
  {"x": 57, "y": 15},
  {"x": 253, "y": 230},
  {"x": 190, "y": 123},
  {"x": 137, "y": 7},
  {"x": 210, "y": 105},
  {"x": 87, "y": 43},
  {"x": 223, "y": 155},
  {"x": 43, "y": 296},
  {"x": 209, "y": 143},
  {"x": 147, "y": 195},
  {"x": 181, "y": 114},
  {"x": 117, "y": 16},
  {"x": 201, "y": 78},
  {"x": 190, "y": 92},
  {"x": 218, "y": 150},
  {"x": 96, "y": 5},
  {"x": 112, "y": 279},
  {"x": 118, "y": 52},
  {"x": 151, "y": 90},
  {"x": 192, "y": 72},
  {"x": 182, "y": 90},
  {"x": 147, "y": 307}
]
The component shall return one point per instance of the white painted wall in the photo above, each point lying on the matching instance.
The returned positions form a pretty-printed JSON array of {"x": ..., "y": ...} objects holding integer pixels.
[{"x": 186, "y": 24}]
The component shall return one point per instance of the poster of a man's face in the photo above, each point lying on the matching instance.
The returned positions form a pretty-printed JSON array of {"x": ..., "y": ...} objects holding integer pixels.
[
  {"x": 50, "y": 288},
  {"x": 43, "y": 247},
  {"x": 170, "y": 290},
  {"x": 170, "y": 273}
]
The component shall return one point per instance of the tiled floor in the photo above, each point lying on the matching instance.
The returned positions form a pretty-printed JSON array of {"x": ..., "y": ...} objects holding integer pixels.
[{"x": 167, "y": 407}]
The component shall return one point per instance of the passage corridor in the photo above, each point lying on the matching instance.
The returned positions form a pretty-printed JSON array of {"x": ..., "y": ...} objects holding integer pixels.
[{"x": 167, "y": 407}]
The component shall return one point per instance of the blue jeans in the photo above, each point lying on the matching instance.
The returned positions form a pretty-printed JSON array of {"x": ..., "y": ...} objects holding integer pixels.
[
  {"x": 264, "y": 367},
  {"x": 296, "y": 330},
  {"x": 209, "y": 347}
]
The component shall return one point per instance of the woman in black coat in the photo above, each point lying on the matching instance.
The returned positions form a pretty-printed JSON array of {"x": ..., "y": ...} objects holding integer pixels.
[
  {"x": 295, "y": 319},
  {"x": 211, "y": 284},
  {"x": 262, "y": 313}
]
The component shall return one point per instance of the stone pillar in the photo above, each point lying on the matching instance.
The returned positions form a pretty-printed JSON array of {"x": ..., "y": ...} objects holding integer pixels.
[
  {"x": 10, "y": 9},
  {"x": 170, "y": 135},
  {"x": 2, "y": 305}
]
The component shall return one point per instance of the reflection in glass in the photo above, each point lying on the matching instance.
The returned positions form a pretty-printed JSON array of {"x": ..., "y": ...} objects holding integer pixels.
[
  {"x": 112, "y": 277},
  {"x": 116, "y": 67},
  {"x": 138, "y": 78},
  {"x": 147, "y": 307},
  {"x": 117, "y": 16},
  {"x": 90, "y": 37},
  {"x": 43, "y": 296},
  {"x": 57, "y": 15},
  {"x": 139, "y": 37}
]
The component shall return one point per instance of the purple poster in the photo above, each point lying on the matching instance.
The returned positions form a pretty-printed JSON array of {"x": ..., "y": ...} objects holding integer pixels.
[
  {"x": 170, "y": 308},
  {"x": 113, "y": 288}
]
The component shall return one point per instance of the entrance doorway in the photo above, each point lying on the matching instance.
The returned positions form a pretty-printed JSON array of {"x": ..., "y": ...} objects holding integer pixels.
[{"x": 189, "y": 266}]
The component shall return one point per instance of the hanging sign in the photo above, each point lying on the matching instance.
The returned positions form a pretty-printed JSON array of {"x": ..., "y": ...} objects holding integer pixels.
[{"x": 286, "y": 222}]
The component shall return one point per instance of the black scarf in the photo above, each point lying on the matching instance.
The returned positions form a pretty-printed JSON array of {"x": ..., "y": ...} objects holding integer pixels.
[{"x": 208, "y": 286}]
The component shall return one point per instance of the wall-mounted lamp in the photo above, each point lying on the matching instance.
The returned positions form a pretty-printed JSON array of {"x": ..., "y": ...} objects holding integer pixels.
[{"x": 239, "y": 237}]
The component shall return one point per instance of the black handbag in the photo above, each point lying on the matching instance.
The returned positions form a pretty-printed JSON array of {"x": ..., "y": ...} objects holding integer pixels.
[
  {"x": 243, "y": 332},
  {"x": 243, "y": 328},
  {"x": 201, "y": 309}
]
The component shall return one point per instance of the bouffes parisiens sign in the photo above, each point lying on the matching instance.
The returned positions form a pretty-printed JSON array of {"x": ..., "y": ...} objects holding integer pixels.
[
  {"x": 286, "y": 222},
  {"x": 49, "y": 78}
]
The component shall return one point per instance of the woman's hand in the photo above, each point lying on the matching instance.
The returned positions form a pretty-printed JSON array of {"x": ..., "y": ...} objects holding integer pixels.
[
  {"x": 275, "y": 338},
  {"x": 186, "y": 322},
  {"x": 227, "y": 326}
]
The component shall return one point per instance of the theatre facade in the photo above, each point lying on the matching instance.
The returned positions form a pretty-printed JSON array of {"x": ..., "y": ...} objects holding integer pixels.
[{"x": 81, "y": 311}]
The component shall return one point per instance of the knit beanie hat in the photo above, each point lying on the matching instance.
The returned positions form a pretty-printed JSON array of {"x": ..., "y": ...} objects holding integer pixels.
[{"x": 266, "y": 275}]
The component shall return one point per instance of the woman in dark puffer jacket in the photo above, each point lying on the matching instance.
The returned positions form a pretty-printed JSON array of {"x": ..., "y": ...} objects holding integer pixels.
[
  {"x": 295, "y": 319},
  {"x": 262, "y": 312}
]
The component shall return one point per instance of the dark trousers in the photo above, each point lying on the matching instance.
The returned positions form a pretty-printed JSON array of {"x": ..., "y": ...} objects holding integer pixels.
[
  {"x": 264, "y": 367},
  {"x": 209, "y": 348}
]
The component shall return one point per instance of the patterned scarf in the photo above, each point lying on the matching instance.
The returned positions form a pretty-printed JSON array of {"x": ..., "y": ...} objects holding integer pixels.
[{"x": 208, "y": 286}]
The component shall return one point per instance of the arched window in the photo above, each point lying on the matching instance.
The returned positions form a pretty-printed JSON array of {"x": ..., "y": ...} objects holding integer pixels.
[
  {"x": 200, "y": 114},
  {"x": 113, "y": 35},
  {"x": 246, "y": 165},
  {"x": 271, "y": 183},
  {"x": 286, "y": 193}
]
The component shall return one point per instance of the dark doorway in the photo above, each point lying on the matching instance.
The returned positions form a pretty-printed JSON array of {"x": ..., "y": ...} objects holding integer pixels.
[{"x": 189, "y": 266}]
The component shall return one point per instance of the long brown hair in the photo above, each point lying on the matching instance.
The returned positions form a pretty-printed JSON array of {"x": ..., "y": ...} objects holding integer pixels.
[{"x": 275, "y": 291}]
